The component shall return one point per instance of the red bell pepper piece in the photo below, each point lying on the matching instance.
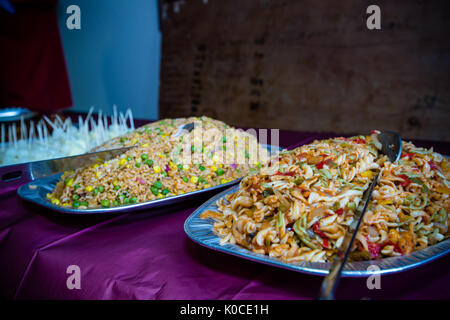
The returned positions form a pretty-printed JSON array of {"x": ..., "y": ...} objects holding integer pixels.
[
  {"x": 433, "y": 166},
  {"x": 374, "y": 248},
  {"x": 322, "y": 163},
  {"x": 406, "y": 181},
  {"x": 360, "y": 141},
  {"x": 407, "y": 155},
  {"x": 291, "y": 174},
  {"x": 318, "y": 231}
]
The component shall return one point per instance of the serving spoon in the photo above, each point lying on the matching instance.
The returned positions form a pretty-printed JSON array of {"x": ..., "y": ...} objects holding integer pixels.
[{"x": 391, "y": 146}]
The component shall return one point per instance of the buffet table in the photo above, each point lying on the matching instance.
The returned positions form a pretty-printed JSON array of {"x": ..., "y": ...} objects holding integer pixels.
[{"x": 146, "y": 255}]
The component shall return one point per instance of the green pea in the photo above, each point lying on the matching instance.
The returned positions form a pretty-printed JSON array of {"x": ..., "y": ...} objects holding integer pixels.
[
  {"x": 224, "y": 139},
  {"x": 165, "y": 191},
  {"x": 115, "y": 203},
  {"x": 185, "y": 179},
  {"x": 75, "y": 187},
  {"x": 149, "y": 162},
  {"x": 180, "y": 167},
  {"x": 144, "y": 156},
  {"x": 117, "y": 187},
  {"x": 85, "y": 203},
  {"x": 123, "y": 140},
  {"x": 154, "y": 190},
  {"x": 202, "y": 168},
  {"x": 137, "y": 164},
  {"x": 76, "y": 204},
  {"x": 133, "y": 200},
  {"x": 75, "y": 197},
  {"x": 129, "y": 159},
  {"x": 66, "y": 181},
  {"x": 219, "y": 172},
  {"x": 101, "y": 188},
  {"x": 192, "y": 148},
  {"x": 157, "y": 184},
  {"x": 95, "y": 191},
  {"x": 164, "y": 174},
  {"x": 126, "y": 201},
  {"x": 105, "y": 203}
]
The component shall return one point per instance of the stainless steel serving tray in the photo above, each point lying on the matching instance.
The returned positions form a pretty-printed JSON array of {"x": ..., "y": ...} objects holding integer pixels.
[
  {"x": 201, "y": 231},
  {"x": 37, "y": 190}
]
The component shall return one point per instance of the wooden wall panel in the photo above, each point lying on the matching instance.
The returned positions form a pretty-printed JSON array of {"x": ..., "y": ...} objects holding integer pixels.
[{"x": 309, "y": 65}]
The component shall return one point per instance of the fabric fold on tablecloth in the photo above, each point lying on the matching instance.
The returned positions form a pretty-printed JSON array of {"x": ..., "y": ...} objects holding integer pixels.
[{"x": 55, "y": 242}]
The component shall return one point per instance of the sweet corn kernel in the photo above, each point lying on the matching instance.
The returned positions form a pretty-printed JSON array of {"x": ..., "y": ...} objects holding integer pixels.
[
  {"x": 385, "y": 202},
  {"x": 222, "y": 181},
  {"x": 115, "y": 183},
  {"x": 89, "y": 188},
  {"x": 49, "y": 195},
  {"x": 65, "y": 204},
  {"x": 194, "y": 179},
  {"x": 133, "y": 141},
  {"x": 145, "y": 145},
  {"x": 157, "y": 169},
  {"x": 207, "y": 185},
  {"x": 122, "y": 161},
  {"x": 95, "y": 166},
  {"x": 181, "y": 192},
  {"x": 55, "y": 201},
  {"x": 97, "y": 174},
  {"x": 215, "y": 158},
  {"x": 70, "y": 182},
  {"x": 367, "y": 174},
  {"x": 213, "y": 168}
]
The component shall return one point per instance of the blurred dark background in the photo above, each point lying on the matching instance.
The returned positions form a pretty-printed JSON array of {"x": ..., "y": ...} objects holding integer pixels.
[{"x": 288, "y": 64}]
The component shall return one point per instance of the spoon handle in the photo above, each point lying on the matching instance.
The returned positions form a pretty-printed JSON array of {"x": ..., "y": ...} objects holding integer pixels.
[{"x": 330, "y": 283}]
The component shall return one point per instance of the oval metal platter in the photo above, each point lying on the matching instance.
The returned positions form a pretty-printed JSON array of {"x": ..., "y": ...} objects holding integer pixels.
[
  {"x": 37, "y": 190},
  {"x": 201, "y": 231}
]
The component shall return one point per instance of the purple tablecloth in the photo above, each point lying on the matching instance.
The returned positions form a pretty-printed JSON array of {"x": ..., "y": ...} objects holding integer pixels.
[{"x": 146, "y": 255}]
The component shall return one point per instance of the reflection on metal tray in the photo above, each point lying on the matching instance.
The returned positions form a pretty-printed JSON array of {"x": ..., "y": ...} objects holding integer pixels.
[
  {"x": 201, "y": 231},
  {"x": 36, "y": 192},
  {"x": 15, "y": 114}
]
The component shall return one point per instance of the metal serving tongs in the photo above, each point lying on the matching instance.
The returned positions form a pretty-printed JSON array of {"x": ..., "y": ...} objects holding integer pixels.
[
  {"x": 391, "y": 146},
  {"x": 15, "y": 175}
]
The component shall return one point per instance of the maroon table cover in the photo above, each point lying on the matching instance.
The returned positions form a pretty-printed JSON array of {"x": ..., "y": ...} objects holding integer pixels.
[{"x": 146, "y": 255}]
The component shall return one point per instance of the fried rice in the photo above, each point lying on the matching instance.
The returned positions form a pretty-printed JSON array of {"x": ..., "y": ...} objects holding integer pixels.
[{"x": 165, "y": 161}]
